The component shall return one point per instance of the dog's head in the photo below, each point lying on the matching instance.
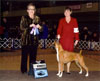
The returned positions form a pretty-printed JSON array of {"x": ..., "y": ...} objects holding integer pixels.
[{"x": 58, "y": 46}]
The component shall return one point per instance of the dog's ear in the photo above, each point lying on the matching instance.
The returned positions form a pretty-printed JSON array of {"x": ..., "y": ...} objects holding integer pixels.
[
  {"x": 54, "y": 42},
  {"x": 57, "y": 40}
]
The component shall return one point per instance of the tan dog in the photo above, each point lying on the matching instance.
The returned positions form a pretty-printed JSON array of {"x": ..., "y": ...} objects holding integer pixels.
[{"x": 66, "y": 57}]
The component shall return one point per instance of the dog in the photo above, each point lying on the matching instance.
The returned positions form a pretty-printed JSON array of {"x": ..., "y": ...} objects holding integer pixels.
[{"x": 64, "y": 56}]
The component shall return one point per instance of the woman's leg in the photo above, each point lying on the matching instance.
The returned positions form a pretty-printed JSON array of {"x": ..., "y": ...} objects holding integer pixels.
[
  {"x": 32, "y": 58},
  {"x": 33, "y": 54},
  {"x": 24, "y": 59}
]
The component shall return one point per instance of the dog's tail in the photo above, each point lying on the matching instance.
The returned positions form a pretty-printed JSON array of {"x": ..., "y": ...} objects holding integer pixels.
[{"x": 80, "y": 51}]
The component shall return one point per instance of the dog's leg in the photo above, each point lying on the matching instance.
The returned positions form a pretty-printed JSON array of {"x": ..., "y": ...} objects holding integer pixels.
[
  {"x": 87, "y": 74},
  {"x": 81, "y": 61},
  {"x": 68, "y": 66},
  {"x": 61, "y": 74},
  {"x": 57, "y": 55},
  {"x": 79, "y": 67},
  {"x": 58, "y": 69},
  {"x": 61, "y": 69}
]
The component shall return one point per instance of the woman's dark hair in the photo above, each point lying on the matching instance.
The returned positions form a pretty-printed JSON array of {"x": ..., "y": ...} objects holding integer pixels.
[{"x": 67, "y": 8}]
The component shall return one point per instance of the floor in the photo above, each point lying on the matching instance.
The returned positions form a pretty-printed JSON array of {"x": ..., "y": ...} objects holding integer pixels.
[
  {"x": 11, "y": 60},
  {"x": 74, "y": 76},
  {"x": 10, "y": 66}
]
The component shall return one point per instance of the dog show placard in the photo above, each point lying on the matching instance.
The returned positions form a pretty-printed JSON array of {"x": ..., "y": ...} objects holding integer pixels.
[{"x": 40, "y": 69}]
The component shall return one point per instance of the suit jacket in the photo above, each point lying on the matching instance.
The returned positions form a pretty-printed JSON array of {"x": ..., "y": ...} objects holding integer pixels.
[
  {"x": 68, "y": 33},
  {"x": 26, "y": 37}
]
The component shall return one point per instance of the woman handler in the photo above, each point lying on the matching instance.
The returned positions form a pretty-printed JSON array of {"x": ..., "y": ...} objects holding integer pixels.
[
  {"x": 30, "y": 27},
  {"x": 67, "y": 32}
]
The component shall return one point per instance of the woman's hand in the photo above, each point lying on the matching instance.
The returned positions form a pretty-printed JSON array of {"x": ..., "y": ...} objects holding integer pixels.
[
  {"x": 76, "y": 42},
  {"x": 32, "y": 25},
  {"x": 58, "y": 36},
  {"x": 38, "y": 26},
  {"x": 35, "y": 26}
]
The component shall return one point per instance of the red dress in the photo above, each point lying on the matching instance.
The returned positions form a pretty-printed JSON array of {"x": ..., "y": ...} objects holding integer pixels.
[{"x": 68, "y": 33}]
